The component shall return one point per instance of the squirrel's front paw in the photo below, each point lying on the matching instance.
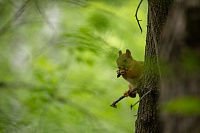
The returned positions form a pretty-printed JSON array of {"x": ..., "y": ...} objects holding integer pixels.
[{"x": 120, "y": 71}]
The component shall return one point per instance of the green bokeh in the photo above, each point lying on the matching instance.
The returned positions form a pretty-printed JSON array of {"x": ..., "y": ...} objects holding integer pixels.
[{"x": 58, "y": 70}]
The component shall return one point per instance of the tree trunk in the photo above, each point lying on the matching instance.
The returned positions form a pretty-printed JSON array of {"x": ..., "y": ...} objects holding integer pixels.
[
  {"x": 180, "y": 55},
  {"x": 148, "y": 119}
]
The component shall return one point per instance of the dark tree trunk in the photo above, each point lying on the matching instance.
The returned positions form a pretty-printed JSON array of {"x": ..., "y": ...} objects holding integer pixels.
[
  {"x": 180, "y": 55},
  {"x": 148, "y": 119}
]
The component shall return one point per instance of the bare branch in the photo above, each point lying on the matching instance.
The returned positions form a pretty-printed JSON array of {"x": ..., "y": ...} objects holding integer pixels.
[
  {"x": 138, "y": 21},
  {"x": 122, "y": 97},
  {"x": 132, "y": 105},
  {"x": 115, "y": 102}
]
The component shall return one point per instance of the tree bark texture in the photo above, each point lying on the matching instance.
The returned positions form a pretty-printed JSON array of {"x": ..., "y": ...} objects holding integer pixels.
[
  {"x": 180, "y": 57},
  {"x": 147, "y": 117}
]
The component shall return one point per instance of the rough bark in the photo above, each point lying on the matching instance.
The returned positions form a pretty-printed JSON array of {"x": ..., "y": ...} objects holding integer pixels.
[
  {"x": 180, "y": 55},
  {"x": 148, "y": 119}
]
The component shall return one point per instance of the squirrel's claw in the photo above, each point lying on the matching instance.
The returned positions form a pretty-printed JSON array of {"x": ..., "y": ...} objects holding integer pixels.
[{"x": 126, "y": 93}]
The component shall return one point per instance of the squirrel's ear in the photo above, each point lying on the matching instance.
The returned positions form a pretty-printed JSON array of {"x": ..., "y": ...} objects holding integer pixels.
[
  {"x": 128, "y": 52},
  {"x": 120, "y": 52}
]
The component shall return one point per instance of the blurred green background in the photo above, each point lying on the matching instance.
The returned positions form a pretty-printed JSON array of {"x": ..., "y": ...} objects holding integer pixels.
[{"x": 57, "y": 65}]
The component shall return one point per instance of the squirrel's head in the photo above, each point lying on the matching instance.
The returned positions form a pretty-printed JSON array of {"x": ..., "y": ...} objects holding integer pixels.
[{"x": 125, "y": 60}]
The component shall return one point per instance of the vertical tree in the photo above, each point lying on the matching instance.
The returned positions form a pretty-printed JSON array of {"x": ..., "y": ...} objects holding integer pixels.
[
  {"x": 148, "y": 119},
  {"x": 177, "y": 45}
]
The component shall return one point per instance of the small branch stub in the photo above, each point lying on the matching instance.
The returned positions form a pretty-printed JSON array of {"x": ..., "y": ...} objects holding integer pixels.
[{"x": 132, "y": 105}]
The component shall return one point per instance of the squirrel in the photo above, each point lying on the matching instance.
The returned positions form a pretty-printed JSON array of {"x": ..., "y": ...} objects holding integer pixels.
[{"x": 131, "y": 70}]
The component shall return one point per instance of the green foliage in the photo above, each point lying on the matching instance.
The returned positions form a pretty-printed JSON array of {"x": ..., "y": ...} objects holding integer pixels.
[
  {"x": 99, "y": 21},
  {"x": 58, "y": 69},
  {"x": 183, "y": 106}
]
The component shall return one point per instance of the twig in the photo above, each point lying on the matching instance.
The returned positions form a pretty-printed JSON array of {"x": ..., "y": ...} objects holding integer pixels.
[
  {"x": 132, "y": 105},
  {"x": 138, "y": 21},
  {"x": 115, "y": 102},
  {"x": 119, "y": 99}
]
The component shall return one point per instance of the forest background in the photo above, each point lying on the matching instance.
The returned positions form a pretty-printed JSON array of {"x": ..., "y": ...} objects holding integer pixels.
[{"x": 57, "y": 65}]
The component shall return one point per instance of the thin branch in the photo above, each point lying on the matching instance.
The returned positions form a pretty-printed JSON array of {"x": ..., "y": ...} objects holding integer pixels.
[
  {"x": 18, "y": 13},
  {"x": 138, "y": 21},
  {"x": 120, "y": 98},
  {"x": 132, "y": 105},
  {"x": 115, "y": 102}
]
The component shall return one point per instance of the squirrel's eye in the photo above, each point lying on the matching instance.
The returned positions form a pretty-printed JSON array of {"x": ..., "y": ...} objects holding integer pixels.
[{"x": 125, "y": 60}]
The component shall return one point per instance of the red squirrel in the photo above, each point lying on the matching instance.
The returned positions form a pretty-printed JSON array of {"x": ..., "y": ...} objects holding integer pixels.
[{"x": 130, "y": 69}]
